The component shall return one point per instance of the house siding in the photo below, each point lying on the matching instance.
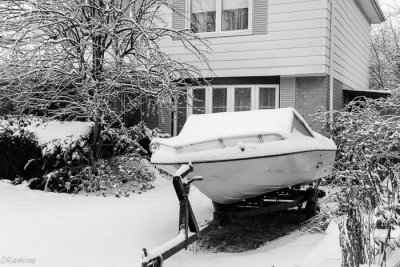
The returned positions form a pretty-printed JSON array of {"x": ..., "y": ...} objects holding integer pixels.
[
  {"x": 351, "y": 38},
  {"x": 295, "y": 44}
]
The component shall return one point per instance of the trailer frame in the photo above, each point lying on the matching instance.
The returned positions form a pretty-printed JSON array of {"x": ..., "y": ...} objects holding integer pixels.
[{"x": 189, "y": 230}]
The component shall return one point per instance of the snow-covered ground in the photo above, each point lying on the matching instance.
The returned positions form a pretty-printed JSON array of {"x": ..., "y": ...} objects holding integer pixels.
[{"x": 76, "y": 230}]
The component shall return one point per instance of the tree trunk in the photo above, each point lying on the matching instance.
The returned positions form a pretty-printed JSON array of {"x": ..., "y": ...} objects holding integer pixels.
[{"x": 97, "y": 141}]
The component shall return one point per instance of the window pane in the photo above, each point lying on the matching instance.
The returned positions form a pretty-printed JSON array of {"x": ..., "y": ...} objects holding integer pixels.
[
  {"x": 242, "y": 99},
  {"x": 181, "y": 112},
  {"x": 219, "y": 100},
  {"x": 199, "y": 101},
  {"x": 235, "y": 15},
  {"x": 267, "y": 98},
  {"x": 203, "y": 15}
]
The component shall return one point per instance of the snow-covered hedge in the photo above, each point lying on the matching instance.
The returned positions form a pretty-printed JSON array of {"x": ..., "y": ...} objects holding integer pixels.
[
  {"x": 59, "y": 154},
  {"x": 17, "y": 147},
  {"x": 120, "y": 141},
  {"x": 367, "y": 134}
]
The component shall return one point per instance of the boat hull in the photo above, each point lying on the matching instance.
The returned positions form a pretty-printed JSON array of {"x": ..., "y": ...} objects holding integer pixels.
[{"x": 230, "y": 181}]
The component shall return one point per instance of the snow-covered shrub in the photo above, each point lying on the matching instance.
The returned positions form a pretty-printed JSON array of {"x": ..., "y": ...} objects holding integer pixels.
[
  {"x": 58, "y": 155},
  {"x": 63, "y": 159},
  {"x": 367, "y": 133},
  {"x": 71, "y": 167},
  {"x": 119, "y": 176},
  {"x": 17, "y": 147},
  {"x": 120, "y": 141}
]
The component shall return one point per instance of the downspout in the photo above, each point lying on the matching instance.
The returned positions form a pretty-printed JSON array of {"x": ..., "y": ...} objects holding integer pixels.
[{"x": 331, "y": 62}]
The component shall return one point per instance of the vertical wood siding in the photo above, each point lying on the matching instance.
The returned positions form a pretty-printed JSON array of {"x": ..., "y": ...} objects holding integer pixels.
[{"x": 287, "y": 92}]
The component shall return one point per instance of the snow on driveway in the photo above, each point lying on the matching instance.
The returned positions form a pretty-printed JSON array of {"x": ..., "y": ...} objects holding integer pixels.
[{"x": 75, "y": 230}]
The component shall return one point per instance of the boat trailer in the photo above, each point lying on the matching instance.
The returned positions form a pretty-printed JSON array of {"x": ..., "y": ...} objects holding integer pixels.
[{"x": 189, "y": 230}]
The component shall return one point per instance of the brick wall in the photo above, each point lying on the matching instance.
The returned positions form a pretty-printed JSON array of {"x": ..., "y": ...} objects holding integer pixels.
[
  {"x": 311, "y": 93},
  {"x": 338, "y": 99}
]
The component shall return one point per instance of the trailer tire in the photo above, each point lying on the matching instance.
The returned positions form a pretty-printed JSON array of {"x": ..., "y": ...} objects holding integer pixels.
[{"x": 311, "y": 209}]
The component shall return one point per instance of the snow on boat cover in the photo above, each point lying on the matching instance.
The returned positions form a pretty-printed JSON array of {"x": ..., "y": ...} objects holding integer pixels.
[{"x": 245, "y": 154}]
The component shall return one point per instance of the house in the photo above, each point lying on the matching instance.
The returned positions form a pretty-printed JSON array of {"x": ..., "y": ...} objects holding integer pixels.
[{"x": 275, "y": 53}]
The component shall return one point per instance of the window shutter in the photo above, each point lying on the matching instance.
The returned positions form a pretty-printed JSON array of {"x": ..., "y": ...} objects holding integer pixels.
[
  {"x": 260, "y": 14},
  {"x": 178, "y": 18}
]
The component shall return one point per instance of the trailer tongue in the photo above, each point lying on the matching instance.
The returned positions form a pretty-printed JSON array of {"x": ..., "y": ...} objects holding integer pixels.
[{"x": 189, "y": 230}]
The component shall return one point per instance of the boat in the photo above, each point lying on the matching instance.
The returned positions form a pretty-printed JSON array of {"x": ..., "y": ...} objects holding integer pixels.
[{"x": 242, "y": 155}]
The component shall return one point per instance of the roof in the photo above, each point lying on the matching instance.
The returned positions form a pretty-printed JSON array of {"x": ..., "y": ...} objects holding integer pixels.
[
  {"x": 372, "y": 10},
  {"x": 367, "y": 93}
]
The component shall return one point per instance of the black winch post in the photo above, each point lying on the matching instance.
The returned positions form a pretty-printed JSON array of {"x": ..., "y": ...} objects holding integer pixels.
[{"x": 187, "y": 220}]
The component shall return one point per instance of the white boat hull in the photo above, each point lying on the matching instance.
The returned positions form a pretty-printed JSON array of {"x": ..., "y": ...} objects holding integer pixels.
[{"x": 230, "y": 181}]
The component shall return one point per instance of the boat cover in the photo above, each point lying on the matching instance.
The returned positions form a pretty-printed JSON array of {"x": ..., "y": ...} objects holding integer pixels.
[{"x": 204, "y": 127}]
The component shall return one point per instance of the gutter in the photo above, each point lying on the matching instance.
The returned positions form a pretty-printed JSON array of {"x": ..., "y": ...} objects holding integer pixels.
[
  {"x": 331, "y": 54},
  {"x": 378, "y": 10}
]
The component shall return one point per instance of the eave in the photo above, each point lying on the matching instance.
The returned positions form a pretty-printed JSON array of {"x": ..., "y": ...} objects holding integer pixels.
[{"x": 371, "y": 10}]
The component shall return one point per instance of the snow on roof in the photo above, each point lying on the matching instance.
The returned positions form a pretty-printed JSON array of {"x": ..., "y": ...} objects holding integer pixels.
[
  {"x": 55, "y": 130},
  {"x": 205, "y": 127}
]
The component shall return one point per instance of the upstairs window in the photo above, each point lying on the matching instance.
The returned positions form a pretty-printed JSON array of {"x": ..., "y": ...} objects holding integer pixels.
[
  {"x": 203, "y": 15},
  {"x": 235, "y": 15},
  {"x": 219, "y": 15}
]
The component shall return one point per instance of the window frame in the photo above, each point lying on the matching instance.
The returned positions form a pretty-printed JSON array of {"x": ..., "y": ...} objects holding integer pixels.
[{"x": 218, "y": 17}]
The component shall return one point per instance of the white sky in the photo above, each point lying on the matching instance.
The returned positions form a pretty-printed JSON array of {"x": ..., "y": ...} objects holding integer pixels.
[{"x": 389, "y": 5}]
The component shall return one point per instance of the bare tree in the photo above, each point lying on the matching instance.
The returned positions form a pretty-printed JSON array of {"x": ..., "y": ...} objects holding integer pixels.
[
  {"x": 385, "y": 60},
  {"x": 69, "y": 59}
]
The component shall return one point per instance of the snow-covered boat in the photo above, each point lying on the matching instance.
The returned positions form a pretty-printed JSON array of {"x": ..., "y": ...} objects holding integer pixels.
[{"x": 241, "y": 155}]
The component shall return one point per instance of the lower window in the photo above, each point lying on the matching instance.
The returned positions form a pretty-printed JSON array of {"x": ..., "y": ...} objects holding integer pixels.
[{"x": 233, "y": 98}]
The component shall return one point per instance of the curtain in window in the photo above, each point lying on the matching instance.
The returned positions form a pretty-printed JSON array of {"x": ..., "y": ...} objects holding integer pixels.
[
  {"x": 203, "y": 15},
  {"x": 235, "y": 15}
]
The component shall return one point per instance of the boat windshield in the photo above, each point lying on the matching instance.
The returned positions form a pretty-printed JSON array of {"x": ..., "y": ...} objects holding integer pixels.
[{"x": 300, "y": 127}]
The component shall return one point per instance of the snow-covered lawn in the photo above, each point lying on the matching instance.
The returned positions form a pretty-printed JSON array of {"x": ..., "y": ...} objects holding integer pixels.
[{"x": 76, "y": 230}]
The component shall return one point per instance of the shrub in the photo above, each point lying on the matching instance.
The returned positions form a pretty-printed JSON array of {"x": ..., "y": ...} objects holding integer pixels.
[
  {"x": 367, "y": 134},
  {"x": 62, "y": 160},
  {"x": 120, "y": 141},
  {"x": 17, "y": 147},
  {"x": 67, "y": 165},
  {"x": 70, "y": 166}
]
